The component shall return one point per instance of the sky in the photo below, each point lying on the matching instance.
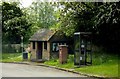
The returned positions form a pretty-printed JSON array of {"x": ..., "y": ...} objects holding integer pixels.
[{"x": 26, "y": 3}]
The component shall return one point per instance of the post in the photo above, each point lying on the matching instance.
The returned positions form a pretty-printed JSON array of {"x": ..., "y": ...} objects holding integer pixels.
[{"x": 22, "y": 43}]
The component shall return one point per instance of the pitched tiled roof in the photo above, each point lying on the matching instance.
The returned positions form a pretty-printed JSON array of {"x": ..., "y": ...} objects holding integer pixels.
[{"x": 42, "y": 35}]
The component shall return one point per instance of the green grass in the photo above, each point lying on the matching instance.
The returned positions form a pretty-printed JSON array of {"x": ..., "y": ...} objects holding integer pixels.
[
  {"x": 11, "y": 57},
  {"x": 107, "y": 70},
  {"x": 103, "y": 65},
  {"x": 55, "y": 62}
]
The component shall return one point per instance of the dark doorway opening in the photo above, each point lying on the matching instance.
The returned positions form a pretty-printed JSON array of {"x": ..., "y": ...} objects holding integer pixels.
[{"x": 39, "y": 50}]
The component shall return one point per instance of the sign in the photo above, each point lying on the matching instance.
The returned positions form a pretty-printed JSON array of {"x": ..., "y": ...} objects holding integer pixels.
[
  {"x": 80, "y": 58},
  {"x": 82, "y": 46}
]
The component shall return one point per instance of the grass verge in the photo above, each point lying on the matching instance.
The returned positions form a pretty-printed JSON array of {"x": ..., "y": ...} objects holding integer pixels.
[
  {"x": 11, "y": 57},
  {"x": 103, "y": 65}
]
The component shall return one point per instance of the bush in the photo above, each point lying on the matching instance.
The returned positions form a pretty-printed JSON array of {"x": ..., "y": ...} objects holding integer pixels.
[{"x": 70, "y": 59}]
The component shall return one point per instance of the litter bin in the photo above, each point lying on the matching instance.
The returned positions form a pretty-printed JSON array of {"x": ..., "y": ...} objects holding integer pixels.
[
  {"x": 25, "y": 55},
  {"x": 63, "y": 53}
]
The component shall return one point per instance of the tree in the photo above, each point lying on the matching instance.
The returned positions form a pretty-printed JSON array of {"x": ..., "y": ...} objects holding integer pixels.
[
  {"x": 102, "y": 19},
  {"x": 41, "y": 15},
  {"x": 14, "y": 23},
  {"x": 76, "y": 16},
  {"x": 108, "y": 25}
]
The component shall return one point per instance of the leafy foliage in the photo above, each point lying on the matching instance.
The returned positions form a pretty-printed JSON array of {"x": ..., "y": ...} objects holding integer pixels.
[
  {"x": 76, "y": 17},
  {"x": 100, "y": 18},
  {"x": 41, "y": 15},
  {"x": 107, "y": 25},
  {"x": 15, "y": 24}
]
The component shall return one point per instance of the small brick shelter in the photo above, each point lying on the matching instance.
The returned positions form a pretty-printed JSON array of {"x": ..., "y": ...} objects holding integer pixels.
[{"x": 44, "y": 44}]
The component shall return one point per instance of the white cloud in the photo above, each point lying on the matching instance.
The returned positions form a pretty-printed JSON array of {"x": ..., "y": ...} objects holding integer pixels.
[{"x": 26, "y": 3}]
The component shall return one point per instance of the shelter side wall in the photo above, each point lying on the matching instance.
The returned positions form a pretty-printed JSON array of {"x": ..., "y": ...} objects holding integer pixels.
[
  {"x": 48, "y": 44},
  {"x": 33, "y": 51},
  {"x": 46, "y": 53}
]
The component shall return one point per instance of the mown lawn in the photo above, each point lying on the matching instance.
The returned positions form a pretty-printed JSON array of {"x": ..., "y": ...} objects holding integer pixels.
[
  {"x": 107, "y": 70},
  {"x": 11, "y": 57},
  {"x": 103, "y": 65}
]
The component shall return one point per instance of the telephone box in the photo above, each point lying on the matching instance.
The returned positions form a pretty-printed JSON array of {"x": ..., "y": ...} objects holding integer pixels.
[{"x": 82, "y": 48}]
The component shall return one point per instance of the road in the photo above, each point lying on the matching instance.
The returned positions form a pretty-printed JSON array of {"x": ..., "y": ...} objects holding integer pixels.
[{"x": 22, "y": 70}]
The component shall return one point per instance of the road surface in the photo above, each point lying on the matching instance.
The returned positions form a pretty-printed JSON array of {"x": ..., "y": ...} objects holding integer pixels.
[{"x": 22, "y": 70}]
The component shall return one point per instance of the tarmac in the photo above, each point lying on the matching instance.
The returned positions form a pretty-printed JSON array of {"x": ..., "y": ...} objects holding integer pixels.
[{"x": 63, "y": 69}]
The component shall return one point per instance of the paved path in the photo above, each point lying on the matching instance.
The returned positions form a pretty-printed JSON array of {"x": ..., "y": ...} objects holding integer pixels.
[{"x": 22, "y": 70}]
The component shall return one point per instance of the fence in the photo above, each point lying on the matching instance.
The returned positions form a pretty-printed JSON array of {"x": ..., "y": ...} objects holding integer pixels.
[{"x": 12, "y": 48}]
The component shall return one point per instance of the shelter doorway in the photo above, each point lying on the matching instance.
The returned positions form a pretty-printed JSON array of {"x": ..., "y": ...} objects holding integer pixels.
[{"x": 39, "y": 50}]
